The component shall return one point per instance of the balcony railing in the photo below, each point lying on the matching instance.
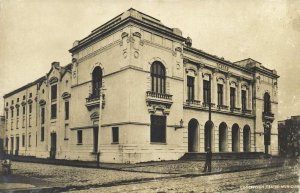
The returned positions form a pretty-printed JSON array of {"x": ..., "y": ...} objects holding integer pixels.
[
  {"x": 193, "y": 102},
  {"x": 235, "y": 109},
  {"x": 222, "y": 107},
  {"x": 159, "y": 95},
  {"x": 93, "y": 101},
  {"x": 268, "y": 116},
  {"x": 204, "y": 104},
  {"x": 246, "y": 111},
  {"x": 157, "y": 99}
]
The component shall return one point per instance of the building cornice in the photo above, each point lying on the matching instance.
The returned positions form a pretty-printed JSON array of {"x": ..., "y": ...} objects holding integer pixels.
[
  {"x": 215, "y": 58},
  {"x": 95, "y": 36}
]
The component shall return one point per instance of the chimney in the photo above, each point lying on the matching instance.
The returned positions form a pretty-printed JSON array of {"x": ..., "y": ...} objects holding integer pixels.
[{"x": 55, "y": 64}]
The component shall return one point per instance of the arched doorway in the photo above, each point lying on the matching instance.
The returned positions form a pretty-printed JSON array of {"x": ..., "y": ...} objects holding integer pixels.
[
  {"x": 235, "y": 138},
  {"x": 223, "y": 137},
  {"x": 193, "y": 135},
  {"x": 246, "y": 138},
  {"x": 208, "y": 135}
]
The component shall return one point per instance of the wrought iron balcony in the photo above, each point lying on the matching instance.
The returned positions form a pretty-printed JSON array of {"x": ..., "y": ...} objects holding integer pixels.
[
  {"x": 93, "y": 101},
  {"x": 193, "y": 102}
]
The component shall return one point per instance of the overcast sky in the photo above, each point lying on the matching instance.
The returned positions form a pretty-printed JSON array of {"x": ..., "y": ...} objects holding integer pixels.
[{"x": 34, "y": 33}]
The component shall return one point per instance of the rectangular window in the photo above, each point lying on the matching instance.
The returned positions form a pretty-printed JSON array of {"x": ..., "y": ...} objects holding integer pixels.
[
  {"x": 29, "y": 121},
  {"x": 6, "y": 115},
  {"x": 232, "y": 97},
  {"x": 6, "y": 103},
  {"x": 206, "y": 91},
  {"x": 29, "y": 140},
  {"x": 17, "y": 111},
  {"x": 244, "y": 107},
  {"x": 24, "y": 109},
  {"x": 54, "y": 92},
  {"x": 220, "y": 94},
  {"x": 11, "y": 144},
  {"x": 158, "y": 129},
  {"x": 30, "y": 108},
  {"x": 12, "y": 102},
  {"x": 30, "y": 95},
  {"x": 17, "y": 123},
  {"x": 42, "y": 133},
  {"x": 66, "y": 131},
  {"x": 23, "y": 97},
  {"x": 12, "y": 113},
  {"x": 23, "y": 122},
  {"x": 67, "y": 110},
  {"x": 23, "y": 140},
  {"x": 190, "y": 88},
  {"x": 17, "y": 99},
  {"x": 6, "y": 142},
  {"x": 42, "y": 115},
  {"x": 115, "y": 134},
  {"x": 53, "y": 111},
  {"x": 79, "y": 136}
]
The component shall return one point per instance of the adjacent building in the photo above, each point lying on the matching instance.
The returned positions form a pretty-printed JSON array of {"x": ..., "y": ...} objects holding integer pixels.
[
  {"x": 2, "y": 133},
  {"x": 289, "y": 137},
  {"x": 135, "y": 91}
]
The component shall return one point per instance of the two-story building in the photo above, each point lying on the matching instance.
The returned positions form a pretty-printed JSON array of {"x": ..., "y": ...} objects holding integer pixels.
[{"x": 135, "y": 91}]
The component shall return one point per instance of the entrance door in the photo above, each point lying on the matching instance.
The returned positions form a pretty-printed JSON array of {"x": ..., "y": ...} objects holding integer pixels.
[
  {"x": 246, "y": 138},
  {"x": 193, "y": 136},
  {"x": 53, "y": 146},
  {"x": 95, "y": 133},
  {"x": 11, "y": 145}
]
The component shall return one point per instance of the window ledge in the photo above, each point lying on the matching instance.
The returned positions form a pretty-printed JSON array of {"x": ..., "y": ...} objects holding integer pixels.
[
  {"x": 158, "y": 143},
  {"x": 66, "y": 139},
  {"x": 115, "y": 143},
  {"x": 79, "y": 143}
]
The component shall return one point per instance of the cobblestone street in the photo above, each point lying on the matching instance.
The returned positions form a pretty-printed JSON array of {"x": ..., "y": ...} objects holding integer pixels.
[
  {"x": 262, "y": 180},
  {"x": 174, "y": 176}
]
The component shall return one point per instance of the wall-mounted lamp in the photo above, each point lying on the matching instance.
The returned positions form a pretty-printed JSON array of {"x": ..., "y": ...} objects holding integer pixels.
[{"x": 180, "y": 125}]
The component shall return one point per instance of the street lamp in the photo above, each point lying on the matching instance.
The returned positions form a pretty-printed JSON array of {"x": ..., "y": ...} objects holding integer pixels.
[{"x": 180, "y": 125}]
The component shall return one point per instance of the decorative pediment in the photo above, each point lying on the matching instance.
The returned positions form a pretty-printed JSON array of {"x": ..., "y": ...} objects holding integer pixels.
[
  {"x": 53, "y": 80},
  {"x": 17, "y": 105},
  {"x": 12, "y": 107},
  {"x": 137, "y": 34},
  {"x": 94, "y": 115},
  {"x": 23, "y": 103},
  {"x": 29, "y": 101},
  {"x": 42, "y": 102},
  {"x": 66, "y": 95},
  {"x": 6, "y": 109}
]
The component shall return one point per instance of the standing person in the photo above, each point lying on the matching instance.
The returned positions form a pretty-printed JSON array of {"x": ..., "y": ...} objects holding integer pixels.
[{"x": 208, "y": 160}]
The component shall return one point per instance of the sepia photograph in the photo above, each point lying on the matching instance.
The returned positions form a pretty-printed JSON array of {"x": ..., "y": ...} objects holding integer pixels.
[{"x": 149, "y": 96}]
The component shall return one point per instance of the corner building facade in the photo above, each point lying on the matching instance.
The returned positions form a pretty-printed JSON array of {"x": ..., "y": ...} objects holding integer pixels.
[{"x": 136, "y": 91}]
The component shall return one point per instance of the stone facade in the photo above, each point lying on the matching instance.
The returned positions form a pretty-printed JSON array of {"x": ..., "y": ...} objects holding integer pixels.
[{"x": 138, "y": 91}]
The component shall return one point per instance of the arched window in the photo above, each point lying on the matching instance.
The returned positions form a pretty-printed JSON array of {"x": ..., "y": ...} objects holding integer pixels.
[
  {"x": 158, "y": 78},
  {"x": 267, "y": 103},
  {"x": 96, "y": 81}
]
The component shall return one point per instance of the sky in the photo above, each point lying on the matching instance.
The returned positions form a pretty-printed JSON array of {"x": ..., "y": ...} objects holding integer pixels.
[{"x": 34, "y": 33}]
